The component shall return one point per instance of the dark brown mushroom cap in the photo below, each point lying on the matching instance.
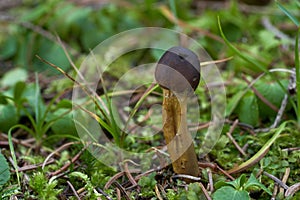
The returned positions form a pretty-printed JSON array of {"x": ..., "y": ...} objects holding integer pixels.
[{"x": 178, "y": 70}]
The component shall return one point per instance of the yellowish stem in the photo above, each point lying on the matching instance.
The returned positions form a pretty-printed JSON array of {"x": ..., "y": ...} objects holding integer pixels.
[{"x": 179, "y": 140}]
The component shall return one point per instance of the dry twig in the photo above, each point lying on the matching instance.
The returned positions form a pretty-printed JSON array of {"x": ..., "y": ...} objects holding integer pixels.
[
  {"x": 32, "y": 167},
  {"x": 210, "y": 180},
  {"x": 104, "y": 194},
  {"x": 122, "y": 190},
  {"x": 63, "y": 147},
  {"x": 73, "y": 190},
  {"x": 285, "y": 178},
  {"x": 67, "y": 165},
  {"x": 215, "y": 167},
  {"x": 204, "y": 191},
  {"x": 277, "y": 180},
  {"x": 233, "y": 140}
]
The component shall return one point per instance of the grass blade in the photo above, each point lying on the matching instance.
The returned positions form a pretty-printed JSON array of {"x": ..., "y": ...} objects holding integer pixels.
[
  {"x": 287, "y": 13},
  {"x": 174, "y": 11},
  {"x": 236, "y": 51},
  {"x": 13, "y": 154},
  {"x": 139, "y": 103},
  {"x": 116, "y": 132},
  {"x": 260, "y": 154},
  {"x": 297, "y": 68}
]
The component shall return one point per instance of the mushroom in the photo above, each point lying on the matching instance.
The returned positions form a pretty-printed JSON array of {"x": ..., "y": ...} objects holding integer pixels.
[{"x": 178, "y": 74}]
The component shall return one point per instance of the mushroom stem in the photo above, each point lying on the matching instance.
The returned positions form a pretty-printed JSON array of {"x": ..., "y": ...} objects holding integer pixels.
[{"x": 179, "y": 140}]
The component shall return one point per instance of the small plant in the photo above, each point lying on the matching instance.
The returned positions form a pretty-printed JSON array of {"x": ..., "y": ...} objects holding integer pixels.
[
  {"x": 147, "y": 184},
  {"x": 27, "y": 100},
  {"x": 238, "y": 189},
  {"x": 44, "y": 188}
]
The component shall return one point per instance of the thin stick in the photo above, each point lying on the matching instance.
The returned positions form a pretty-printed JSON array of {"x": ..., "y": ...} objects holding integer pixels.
[
  {"x": 277, "y": 180},
  {"x": 285, "y": 178},
  {"x": 278, "y": 116},
  {"x": 145, "y": 173},
  {"x": 158, "y": 195},
  {"x": 123, "y": 191},
  {"x": 204, "y": 191},
  {"x": 275, "y": 191},
  {"x": 103, "y": 193},
  {"x": 260, "y": 96},
  {"x": 128, "y": 174},
  {"x": 216, "y": 61},
  {"x": 233, "y": 140},
  {"x": 79, "y": 73},
  {"x": 225, "y": 173},
  {"x": 116, "y": 177},
  {"x": 185, "y": 176},
  {"x": 210, "y": 180},
  {"x": 67, "y": 165},
  {"x": 284, "y": 102},
  {"x": 280, "y": 112},
  {"x": 14, "y": 140},
  {"x": 215, "y": 167},
  {"x": 113, "y": 179},
  {"x": 73, "y": 190},
  {"x": 58, "y": 150},
  {"x": 32, "y": 167},
  {"x": 292, "y": 149},
  {"x": 292, "y": 190},
  {"x": 86, "y": 90}
]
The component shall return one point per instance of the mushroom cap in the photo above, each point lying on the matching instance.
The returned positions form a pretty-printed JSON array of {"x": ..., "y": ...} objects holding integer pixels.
[{"x": 178, "y": 70}]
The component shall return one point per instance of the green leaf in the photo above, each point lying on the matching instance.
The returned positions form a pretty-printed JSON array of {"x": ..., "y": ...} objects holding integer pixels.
[
  {"x": 18, "y": 91},
  {"x": 273, "y": 93},
  {"x": 63, "y": 123},
  {"x": 229, "y": 193},
  {"x": 31, "y": 94},
  {"x": 3, "y": 99},
  {"x": 234, "y": 101},
  {"x": 4, "y": 170},
  {"x": 53, "y": 53},
  {"x": 64, "y": 103},
  {"x": 79, "y": 175},
  {"x": 220, "y": 184},
  {"x": 268, "y": 40},
  {"x": 252, "y": 181},
  {"x": 14, "y": 76},
  {"x": 247, "y": 109},
  {"x": 237, "y": 183},
  {"x": 194, "y": 191},
  {"x": 8, "y": 117},
  {"x": 8, "y": 48}
]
